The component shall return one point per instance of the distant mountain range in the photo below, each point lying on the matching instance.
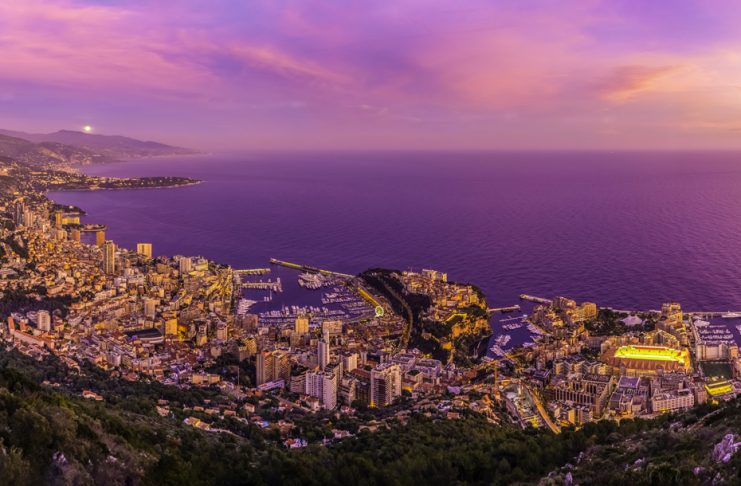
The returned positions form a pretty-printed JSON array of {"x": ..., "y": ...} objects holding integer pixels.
[{"x": 67, "y": 147}]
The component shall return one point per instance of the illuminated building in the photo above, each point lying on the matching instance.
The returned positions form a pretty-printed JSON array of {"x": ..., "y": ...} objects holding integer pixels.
[
  {"x": 150, "y": 308},
  {"x": 323, "y": 352},
  {"x": 171, "y": 327},
  {"x": 144, "y": 249},
  {"x": 301, "y": 326},
  {"x": 672, "y": 313},
  {"x": 385, "y": 384},
  {"x": 714, "y": 342},
  {"x": 349, "y": 361},
  {"x": 637, "y": 359},
  {"x": 719, "y": 388},
  {"x": 185, "y": 265},
  {"x": 19, "y": 209},
  {"x": 109, "y": 257},
  {"x": 322, "y": 385},
  {"x": 670, "y": 401},
  {"x": 273, "y": 366},
  {"x": 43, "y": 321},
  {"x": 590, "y": 390},
  {"x": 100, "y": 238},
  {"x": 332, "y": 328},
  {"x": 221, "y": 331}
]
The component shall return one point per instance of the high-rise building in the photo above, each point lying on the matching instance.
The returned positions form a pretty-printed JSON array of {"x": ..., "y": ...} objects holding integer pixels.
[
  {"x": 349, "y": 361},
  {"x": 100, "y": 238},
  {"x": 75, "y": 235},
  {"x": 385, "y": 384},
  {"x": 144, "y": 249},
  {"x": 185, "y": 265},
  {"x": 19, "y": 209},
  {"x": 272, "y": 366},
  {"x": 346, "y": 389},
  {"x": 150, "y": 308},
  {"x": 28, "y": 218},
  {"x": 43, "y": 321},
  {"x": 171, "y": 327},
  {"x": 322, "y": 385},
  {"x": 222, "y": 331},
  {"x": 302, "y": 325},
  {"x": 323, "y": 352},
  {"x": 109, "y": 257}
]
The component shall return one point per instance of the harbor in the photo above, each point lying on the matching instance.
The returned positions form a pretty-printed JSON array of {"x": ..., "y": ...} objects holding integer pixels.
[{"x": 299, "y": 290}]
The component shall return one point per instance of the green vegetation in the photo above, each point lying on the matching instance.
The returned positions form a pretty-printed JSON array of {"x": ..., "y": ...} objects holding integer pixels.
[
  {"x": 428, "y": 335},
  {"x": 609, "y": 323},
  {"x": 50, "y": 436}
]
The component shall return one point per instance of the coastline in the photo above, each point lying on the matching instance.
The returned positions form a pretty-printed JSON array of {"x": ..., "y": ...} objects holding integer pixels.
[{"x": 93, "y": 189}]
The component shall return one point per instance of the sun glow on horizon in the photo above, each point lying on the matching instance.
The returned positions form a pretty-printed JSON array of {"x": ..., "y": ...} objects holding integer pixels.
[{"x": 87, "y": 129}]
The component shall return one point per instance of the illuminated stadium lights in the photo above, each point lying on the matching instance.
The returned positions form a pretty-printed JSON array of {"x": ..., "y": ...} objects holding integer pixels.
[{"x": 651, "y": 353}]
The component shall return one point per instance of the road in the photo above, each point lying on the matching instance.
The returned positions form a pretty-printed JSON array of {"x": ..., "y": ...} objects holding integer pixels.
[{"x": 542, "y": 411}]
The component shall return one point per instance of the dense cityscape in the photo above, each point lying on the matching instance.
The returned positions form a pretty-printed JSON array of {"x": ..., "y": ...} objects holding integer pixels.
[
  {"x": 296, "y": 242},
  {"x": 381, "y": 348}
]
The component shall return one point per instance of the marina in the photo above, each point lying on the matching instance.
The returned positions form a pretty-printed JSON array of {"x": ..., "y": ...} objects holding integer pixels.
[{"x": 296, "y": 290}]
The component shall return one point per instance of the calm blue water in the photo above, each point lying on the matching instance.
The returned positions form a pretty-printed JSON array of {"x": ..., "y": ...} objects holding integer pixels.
[{"x": 621, "y": 229}]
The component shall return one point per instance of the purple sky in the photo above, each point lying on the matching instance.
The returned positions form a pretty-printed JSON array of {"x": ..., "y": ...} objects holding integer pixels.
[{"x": 387, "y": 74}]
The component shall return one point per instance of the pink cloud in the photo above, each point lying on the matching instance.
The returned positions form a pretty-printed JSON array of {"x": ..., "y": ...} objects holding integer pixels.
[{"x": 625, "y": 82}]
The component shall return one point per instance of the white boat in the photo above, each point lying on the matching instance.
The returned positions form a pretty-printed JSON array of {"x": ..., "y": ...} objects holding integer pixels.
[
  {"x": 503, "y": 339},
  {"x": 497, "y": 350},
  {"x": 731, "y": 315}
]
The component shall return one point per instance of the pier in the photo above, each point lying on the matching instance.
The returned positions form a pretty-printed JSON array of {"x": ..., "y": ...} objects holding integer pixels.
[
  {"x": 538, "y": 300},
  {"x": 252, "y": 271},
  {"x": 511, "y": 308},
  {"x": 309, "y": 269},
  {"x": 275, "y": 286}
]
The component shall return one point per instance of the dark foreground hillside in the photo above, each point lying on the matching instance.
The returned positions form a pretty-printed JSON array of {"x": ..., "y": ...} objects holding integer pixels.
[{"x": 52, "y": 436}]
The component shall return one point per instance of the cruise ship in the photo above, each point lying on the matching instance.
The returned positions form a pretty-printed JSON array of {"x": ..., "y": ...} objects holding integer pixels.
[{"x": 731, "y": 315}]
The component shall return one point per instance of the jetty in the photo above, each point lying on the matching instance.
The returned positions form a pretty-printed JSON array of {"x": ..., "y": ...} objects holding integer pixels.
[{"x": 308, "y": 268}]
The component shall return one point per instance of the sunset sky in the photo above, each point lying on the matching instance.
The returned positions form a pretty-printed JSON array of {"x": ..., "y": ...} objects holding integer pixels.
[{"x": 386, "y": 74}]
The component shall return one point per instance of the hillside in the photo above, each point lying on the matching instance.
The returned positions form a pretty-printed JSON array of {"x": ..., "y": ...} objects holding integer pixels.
[
  {"x": 110, "y": 146},
  {"x": 46, "y": 153},
  {"x": 49, "y": 435}
]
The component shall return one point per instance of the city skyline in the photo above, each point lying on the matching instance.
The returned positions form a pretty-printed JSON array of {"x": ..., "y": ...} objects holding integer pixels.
[{"x": 387, "y": 75}]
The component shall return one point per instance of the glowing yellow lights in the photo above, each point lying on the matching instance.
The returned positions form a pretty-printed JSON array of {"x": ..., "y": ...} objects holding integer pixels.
[
  {"x": 651, "y": 353},
  {"x": 87, "y": 129},
  {"x": 719, "y": 388}
]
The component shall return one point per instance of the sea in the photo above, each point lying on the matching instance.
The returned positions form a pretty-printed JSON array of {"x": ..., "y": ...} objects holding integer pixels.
[{"x": 628, "y": 230}]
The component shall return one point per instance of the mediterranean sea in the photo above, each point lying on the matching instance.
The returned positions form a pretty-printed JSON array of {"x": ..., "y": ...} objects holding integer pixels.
[{"x": 622, "y": 229}]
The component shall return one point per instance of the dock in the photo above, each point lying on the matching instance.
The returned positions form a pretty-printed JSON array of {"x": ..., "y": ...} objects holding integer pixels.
[
  {"x": 511, "y": 308},
  {"x": 275, "y": 286},
  {"x": 532, "y": 298},
  {"x": 252, "y": 271},
  {"x": 307, "y": 268}
]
